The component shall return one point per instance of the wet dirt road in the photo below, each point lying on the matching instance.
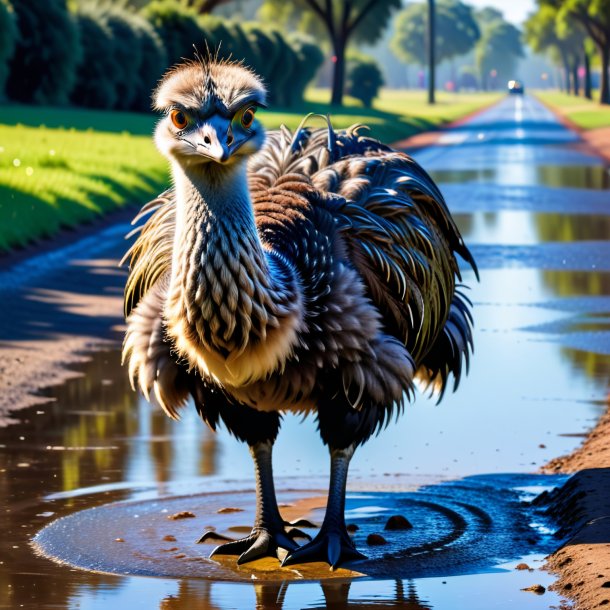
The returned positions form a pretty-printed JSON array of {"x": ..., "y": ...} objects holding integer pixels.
[{"x": 535, "y": 210}]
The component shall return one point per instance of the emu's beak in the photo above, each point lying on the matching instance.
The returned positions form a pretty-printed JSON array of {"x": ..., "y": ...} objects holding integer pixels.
[{"x": 214, "y": 139}]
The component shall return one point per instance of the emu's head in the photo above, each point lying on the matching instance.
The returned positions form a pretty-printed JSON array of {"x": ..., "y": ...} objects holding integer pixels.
[{"x": 209, "y": 111}]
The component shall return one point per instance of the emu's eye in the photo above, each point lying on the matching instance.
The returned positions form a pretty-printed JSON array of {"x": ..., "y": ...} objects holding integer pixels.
[
  {"x": 247, "y": 118},
  {"x": 178, "y": 119}
]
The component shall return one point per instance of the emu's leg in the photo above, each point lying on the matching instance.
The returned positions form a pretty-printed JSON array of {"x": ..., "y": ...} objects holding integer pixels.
[
  {"x": 268, "y": 535},
  {"x": 332, "y": 544}
]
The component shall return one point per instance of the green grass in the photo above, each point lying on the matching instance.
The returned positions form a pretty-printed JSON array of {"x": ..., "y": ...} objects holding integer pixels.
[
  {"x": 585, "y": 113},
  {"x": 60, "y": 167}
]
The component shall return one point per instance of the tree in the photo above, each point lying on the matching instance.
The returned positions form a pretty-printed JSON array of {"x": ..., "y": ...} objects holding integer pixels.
[
  {"x": 594, "y": 17},
  {"x": 343, "y": 21},
  {"x": 456, "y": 31},
  {"x": 544, "y": 31},
  {"x": 498, "y": 49}
]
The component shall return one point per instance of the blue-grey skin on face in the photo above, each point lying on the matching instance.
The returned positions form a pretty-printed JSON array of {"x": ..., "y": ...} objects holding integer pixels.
[{"x": 210, "y": 121}]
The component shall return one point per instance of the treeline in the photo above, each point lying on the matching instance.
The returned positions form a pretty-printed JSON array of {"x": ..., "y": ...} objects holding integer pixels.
[{"x": 110, "y": 57}]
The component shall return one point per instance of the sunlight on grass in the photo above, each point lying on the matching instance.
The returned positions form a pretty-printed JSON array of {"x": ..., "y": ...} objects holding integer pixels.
[
  {"x": 52, "y": 178},
  {"x": 587, "y": 114},
  {"x": 60, "y": 167}
]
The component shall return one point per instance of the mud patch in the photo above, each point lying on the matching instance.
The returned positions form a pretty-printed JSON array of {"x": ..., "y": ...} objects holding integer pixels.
[{"x": 459, "y": 527}]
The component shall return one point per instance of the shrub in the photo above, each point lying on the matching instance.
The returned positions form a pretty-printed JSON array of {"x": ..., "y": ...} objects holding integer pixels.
[
  {"x": 43, "y": 66},
  {"x": 8, "y": 39},
  {"x": 126, "y": 52},
  {"x": 283, "y": 74},
  {"x": 364, "y": 78},
  {"x": 265, "y": 52},
  {"x": 152, "y": 65},
  {"x": 95, "y": 80},
  {"x": 176, "y": 26},
  {"x": 309, "y": 58}
]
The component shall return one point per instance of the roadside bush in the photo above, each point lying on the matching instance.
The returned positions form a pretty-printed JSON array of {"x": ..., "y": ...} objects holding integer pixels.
[
  {"x": 126, "y": 52},
  {"x": 8, "y": 40},
  {"x": 43, "y": 67},
  {"x": 283, "y": 74},
  {"x": 177, "y": 27},
  {"x": 309, "y": 58},
  {"x": 95, "y": 80},
  {"x": 152, "y": 65},
  {"x": 364, "y": 78}
]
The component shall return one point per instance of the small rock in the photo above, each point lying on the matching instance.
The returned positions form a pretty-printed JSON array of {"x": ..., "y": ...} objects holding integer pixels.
[
  {"x": 606, "y": 585},
  {"x": 352, "y": 527},
  {"x": 185, "y": 514},
  {"x": 229, "y": 509},
  {"x": 375, "y": 540},
  {"x": 174, "y": 548},
  {"x": 119, "y": 540},
  {"x": 169, "y": 538},
  {"x": 179, "y": 556},
  {"x": 397, "y": 522},
  {"x": 523, "y": 566},
  {"x": 542, "y": 446},
  {"x": 537, "y": 589}
]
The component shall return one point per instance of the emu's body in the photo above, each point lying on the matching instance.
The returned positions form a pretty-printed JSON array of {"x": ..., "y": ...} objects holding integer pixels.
[{"x": 320, "y": 277}]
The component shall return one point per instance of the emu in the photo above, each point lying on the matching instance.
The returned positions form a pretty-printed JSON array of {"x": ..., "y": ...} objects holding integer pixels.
[{"x": 313, "y": 272}]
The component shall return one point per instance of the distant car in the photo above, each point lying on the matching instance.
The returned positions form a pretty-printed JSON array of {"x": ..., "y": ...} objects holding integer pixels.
[{"x": 515, "y": 87}]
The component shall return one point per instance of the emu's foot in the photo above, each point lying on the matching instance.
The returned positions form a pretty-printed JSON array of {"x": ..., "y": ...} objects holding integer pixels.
[
  {"x": 261, "y": 542},
  {"x": 333, "y": 546}
]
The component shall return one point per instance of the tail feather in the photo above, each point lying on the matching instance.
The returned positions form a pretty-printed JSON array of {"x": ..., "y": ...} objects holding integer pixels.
[{"x": 450, "y": 354}]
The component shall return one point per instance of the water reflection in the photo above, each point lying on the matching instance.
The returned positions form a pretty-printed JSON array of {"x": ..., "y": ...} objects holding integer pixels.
[
  {"x": 195, "y": 595},
  {"x": 582, "y": 176},
  {"x": 525, "y": 227}
]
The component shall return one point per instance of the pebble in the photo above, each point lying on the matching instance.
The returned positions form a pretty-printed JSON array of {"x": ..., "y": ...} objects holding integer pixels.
[
  {"x": 169, "y": 538},
  {"x": 398, "y": 522},
  {"x": 523, "y": 566},
  {"x": 352, "y": 527},
  {"x": 375, "y": 540},
  {"x": 229, "y": 509},
  {"x": 185, "y": 514},
  {"x": 537, "y": 589}
]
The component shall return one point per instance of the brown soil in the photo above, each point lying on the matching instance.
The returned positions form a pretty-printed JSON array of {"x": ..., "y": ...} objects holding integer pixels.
[
  {"x": 54, "y": 322},
  {"x": 582, "y": 508}
]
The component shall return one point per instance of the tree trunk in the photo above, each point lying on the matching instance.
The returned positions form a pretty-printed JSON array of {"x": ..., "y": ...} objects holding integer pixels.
[
  {"x": 575, "y": 82},
  {"x": 431, "y": 52},
  {"x": 566, "y": 76},
  {"x": 604, "y": 89},
  {"x": 339, "y": 71},
  {"x": 587, "y": 84}
]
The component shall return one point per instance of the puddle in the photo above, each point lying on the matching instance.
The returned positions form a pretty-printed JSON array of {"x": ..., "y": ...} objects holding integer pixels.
[
  {"x": 457, "y": 527},
  {"x": 582, "y": 176},
  {"x": 525, "y": 227}
]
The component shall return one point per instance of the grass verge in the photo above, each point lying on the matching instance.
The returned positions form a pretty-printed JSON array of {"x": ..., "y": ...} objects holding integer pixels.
[
  {"x": 60, "y": 167},
  {"x": 584, "y": 113}
]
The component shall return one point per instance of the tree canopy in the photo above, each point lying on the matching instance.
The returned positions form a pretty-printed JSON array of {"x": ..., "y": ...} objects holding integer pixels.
[
  {"x": 342, "y": 21},
  {"x": 498, "y": 49},
  {"x": 456, "y": 31}
]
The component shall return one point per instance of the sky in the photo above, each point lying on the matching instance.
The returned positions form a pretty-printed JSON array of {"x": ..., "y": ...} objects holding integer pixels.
[{"x": 515, "y": 11}]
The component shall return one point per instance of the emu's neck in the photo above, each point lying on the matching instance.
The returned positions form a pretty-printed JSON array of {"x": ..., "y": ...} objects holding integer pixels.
[{"x": 234, "y": 309}]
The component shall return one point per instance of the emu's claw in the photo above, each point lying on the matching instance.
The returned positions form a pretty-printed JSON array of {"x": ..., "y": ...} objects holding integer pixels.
[
  {"x": 260, "y": 543},
  {"x": 331, "y": 546}
]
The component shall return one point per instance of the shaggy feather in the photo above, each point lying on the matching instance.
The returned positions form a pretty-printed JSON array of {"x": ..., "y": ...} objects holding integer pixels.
[{"x": 334, "y": 275}]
